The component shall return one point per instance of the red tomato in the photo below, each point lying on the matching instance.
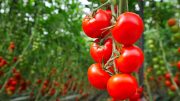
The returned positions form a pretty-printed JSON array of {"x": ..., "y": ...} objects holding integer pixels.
[
  {"x": 130, "y": 60},
  {"x": 172, "y": 88},
  {"x": 128, "y": 28},
  {"x": 171, "y": 22},
  {"x": 109, "y": 13},
  {"x": 52, "y": 92},
  {"x": 93, "y": 26},
  {"x": 135, "y": 97},
  {"x": 178, "y": 65},
  {"x": 176, "y": 79},
  {"x": 122, "y": 86},
  {"x": 140, "y": 90},
  {"x": 97, "y": 77},
  {"x": 101, "y": 53},
  {"x": 179, "y": 50},
  {"x": 10, "y": 89},
  {"x": 168, "y": 83},
  {"x": 108, "y": 7},
  {"x": 151, "y": 78}
]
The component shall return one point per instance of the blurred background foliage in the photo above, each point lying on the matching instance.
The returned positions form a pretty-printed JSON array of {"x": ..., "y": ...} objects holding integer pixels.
[{"x": 47, "y": 34}]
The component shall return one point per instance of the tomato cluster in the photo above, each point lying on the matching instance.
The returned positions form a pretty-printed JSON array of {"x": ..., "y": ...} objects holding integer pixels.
[
  {"x": 16, "y": 83},
  {"x": 114, "y": 53},
  {"x": 168, "y": 82},
  {"x": 173, "y": 24}
]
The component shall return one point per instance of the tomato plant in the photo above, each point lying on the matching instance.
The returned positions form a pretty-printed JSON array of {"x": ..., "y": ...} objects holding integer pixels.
[{"x": 125, "y": 58}]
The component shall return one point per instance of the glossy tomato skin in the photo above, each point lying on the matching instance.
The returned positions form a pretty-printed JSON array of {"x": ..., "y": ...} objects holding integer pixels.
[
  {"x": 97, "y": 77},
  {"x": 101, "y": 53},
  {"x": 128, "y": 28},
  {"x": 109, "y": 12},
  {"x": 122, "y": 86},
  {"x": 93, "y": 26},
  {"x": 130, "y": 60},
  {"x": 135, "y": 97}
]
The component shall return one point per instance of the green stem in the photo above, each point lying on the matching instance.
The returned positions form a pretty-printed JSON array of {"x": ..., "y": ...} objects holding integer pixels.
[
  {"x": 148, "y": 89},
  {"x": 107, "y": 2},
  {"x": 111, "y": 59},
  {"x": 127, "y": 7},
  {"x": 113, "y": 53},
  {"x": 112, "y": 9},
  {"x": 120, "y": 7},
  {"x": 123, "y": 6}
]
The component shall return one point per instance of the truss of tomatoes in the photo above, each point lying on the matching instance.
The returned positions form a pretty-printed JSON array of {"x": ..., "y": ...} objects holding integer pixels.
[{"x": 126, "y": 31}]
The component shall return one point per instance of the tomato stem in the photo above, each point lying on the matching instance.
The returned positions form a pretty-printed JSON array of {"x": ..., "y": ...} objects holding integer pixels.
[
  {"x": 107, "y": 28},
  {"x": 113, "y": 11},
  {"x": 110, "y": 60},
  {"x": 148, "y": 89},
  {"x": 121, "y": 8},
  {"x": 113, "y": 53},
  {"x": 107, "y": 2},
  {"x": 106, "y": 70},
  {"x": 127, "y": 7}
]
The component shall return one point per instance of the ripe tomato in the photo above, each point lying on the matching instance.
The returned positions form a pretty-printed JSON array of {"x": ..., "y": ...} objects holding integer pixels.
[
  {"x": 140, "y": 90},
  {"x": 93, "y": 26},
  {"x": 109, "y": 12},
  {"x": 130, "y": 60},
  {"x": 167, "y": 76},
  {"x": 172, "y": 88},
  {"x": 135, "y": 97},
  {"x": 171, "y": 22},
  {"x": 128, "y": 28},
  {"x": 122, "y": 86},
  {"x": 168, "y": 83},
  {"x": 97, "y": 77},
  {"x": 101, "y": 53},
  {"x": 178, "y": 65},
  {"x": 177, "y": 81}
]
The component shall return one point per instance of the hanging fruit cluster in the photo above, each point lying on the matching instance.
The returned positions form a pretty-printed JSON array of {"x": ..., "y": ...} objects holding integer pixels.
[
  {"x": 114, "y": 53},
  {"x": 173, "y": 24}
]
